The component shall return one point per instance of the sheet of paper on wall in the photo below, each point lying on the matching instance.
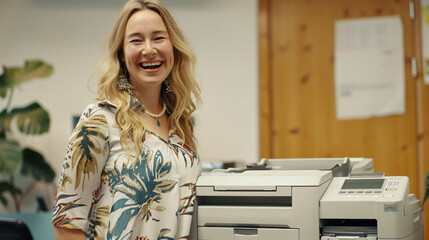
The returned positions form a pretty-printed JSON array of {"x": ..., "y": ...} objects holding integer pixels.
[
  {"x": 425, "y": 38},
  {"x": 369, "y": 67}
]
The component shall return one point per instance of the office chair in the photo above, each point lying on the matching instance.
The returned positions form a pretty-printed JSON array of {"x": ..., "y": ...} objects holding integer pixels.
[{"x": 14, "y": 229}]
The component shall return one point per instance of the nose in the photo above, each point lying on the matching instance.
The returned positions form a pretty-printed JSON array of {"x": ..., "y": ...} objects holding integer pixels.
[{"x": 148, "y": 49}]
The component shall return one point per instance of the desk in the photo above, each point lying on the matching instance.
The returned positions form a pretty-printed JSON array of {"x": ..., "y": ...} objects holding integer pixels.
[{"x": 39, "y": 223}]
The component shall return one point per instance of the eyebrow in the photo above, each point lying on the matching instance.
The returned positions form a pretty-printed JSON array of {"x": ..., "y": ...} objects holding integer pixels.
[{"x": 137, "y": 34}]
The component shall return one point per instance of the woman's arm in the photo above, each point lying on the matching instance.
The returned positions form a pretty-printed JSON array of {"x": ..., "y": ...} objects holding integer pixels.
[
  {"x": 68, "y": 234},
  {"x": 80, "y": 178}
]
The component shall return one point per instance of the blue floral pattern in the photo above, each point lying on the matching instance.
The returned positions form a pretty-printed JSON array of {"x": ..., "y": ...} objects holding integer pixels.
[{"x": 111, "y": 194}]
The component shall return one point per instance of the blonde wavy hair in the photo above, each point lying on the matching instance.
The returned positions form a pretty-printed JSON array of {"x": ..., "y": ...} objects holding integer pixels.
[{"x": 180, "y": 102}]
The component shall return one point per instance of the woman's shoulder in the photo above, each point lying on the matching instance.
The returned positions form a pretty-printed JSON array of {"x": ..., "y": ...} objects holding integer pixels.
[
  {"x": 100, "y": 105},
  {"x": 97, "y": 108}
]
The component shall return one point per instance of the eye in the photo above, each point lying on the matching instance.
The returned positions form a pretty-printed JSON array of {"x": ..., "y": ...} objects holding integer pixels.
[
  {"x": 135, "y": 40},
  {"x": 159, "y": 38}
]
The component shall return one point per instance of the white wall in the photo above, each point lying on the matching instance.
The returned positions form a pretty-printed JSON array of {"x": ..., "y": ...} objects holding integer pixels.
[
  {"x": 224, "y": 37},
  {"x": 69, "y": 34}
]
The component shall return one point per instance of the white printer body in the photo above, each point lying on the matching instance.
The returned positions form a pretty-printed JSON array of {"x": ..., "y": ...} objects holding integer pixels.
[{"x": 306, "y": 199}]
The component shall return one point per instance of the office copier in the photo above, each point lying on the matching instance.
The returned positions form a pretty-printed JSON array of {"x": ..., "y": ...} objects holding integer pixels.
[{"x": 306, "y": 199}]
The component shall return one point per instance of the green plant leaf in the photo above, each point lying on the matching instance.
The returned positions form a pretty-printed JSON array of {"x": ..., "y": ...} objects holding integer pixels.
[
  {"x": 32, "y": 119},
  {"x": 7, "y": 187},
  {"x": 3, "y": 117},
  {"x": 426, "y": 189},
  {"x": 11, "y": 157},
  {"x": 35, "y": 164},
  {"x": 14, "y": 76}
]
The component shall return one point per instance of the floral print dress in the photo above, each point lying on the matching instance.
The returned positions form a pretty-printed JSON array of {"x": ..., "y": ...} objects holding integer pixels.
[{"x": 110, "y": 194}]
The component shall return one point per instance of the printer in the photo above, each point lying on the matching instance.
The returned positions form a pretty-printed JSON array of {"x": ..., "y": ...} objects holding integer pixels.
[{"x": 306, "y": 199}]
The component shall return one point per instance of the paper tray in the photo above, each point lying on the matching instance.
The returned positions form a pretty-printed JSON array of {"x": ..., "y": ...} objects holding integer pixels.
[
  {"x": 245, "y": 216},
  {"x": 231, "y": 233}
]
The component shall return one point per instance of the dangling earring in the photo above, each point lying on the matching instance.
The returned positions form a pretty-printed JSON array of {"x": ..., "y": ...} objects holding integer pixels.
[
  {"x": 168, "y": 87},
  {"x": 122, "y": 82}
]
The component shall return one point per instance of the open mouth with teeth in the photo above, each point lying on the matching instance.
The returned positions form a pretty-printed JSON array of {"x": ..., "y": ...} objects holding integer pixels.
[{"x": 151, "y": 65}]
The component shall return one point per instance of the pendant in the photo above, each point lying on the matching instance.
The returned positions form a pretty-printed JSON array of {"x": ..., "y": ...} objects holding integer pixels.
[{"x": 158, "y": 123}]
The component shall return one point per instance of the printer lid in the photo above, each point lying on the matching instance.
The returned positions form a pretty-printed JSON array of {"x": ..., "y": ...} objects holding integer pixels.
[
  {"x": 305, "y": 163},
  {"x": 340, "y": 167},
  {"x": 263, "y": 179}
]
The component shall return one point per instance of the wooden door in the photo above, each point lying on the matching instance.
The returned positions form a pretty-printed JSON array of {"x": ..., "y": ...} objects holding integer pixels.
[{"x": 297, "y": 93}]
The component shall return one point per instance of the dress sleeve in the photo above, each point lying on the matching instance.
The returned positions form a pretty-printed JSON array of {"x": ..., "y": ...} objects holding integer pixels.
[
  {"x": 86, "y": 155},
  {"x": 188, "y": 194}
]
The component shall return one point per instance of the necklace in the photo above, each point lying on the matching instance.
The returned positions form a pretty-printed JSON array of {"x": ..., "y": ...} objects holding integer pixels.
[{"x": 156, "y": 116}]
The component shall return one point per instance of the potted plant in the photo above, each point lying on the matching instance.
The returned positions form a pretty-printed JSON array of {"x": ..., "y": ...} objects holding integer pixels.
[{"x": 30, "y": 120}]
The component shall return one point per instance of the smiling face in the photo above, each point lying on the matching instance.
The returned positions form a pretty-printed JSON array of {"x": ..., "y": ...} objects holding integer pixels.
[{"x": 147, "y": 50}]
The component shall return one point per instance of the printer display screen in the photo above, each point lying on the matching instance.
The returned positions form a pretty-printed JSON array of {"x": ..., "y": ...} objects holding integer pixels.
[{"x": 363, "y": 184}]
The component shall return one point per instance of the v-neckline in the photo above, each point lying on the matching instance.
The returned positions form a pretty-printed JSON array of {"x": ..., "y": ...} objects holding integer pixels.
[{"x": 170, "y": 133}]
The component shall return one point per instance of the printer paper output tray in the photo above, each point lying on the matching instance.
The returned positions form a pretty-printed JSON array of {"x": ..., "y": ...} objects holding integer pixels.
[{"x": 349, "y": 233}]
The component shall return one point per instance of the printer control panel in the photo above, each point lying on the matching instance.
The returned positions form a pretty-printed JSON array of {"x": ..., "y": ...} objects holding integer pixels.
[{"x": 385, "y": 188}]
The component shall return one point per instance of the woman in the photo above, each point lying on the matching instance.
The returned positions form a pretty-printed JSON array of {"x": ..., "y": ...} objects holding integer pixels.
[{"x": 131, "y": 164}]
